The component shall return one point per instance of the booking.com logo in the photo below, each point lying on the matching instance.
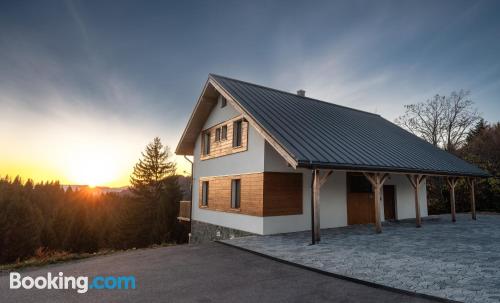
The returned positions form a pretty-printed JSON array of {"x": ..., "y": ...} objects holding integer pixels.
[{"x": 80, "y": 283}]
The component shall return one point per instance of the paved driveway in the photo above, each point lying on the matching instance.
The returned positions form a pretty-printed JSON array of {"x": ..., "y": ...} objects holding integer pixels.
[
  {"x": 458, "y": 261},
  {"x": 201, "y": 273}
]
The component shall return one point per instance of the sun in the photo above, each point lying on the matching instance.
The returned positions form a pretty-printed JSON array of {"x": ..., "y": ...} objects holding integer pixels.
[{"x": 92, "y": 168}]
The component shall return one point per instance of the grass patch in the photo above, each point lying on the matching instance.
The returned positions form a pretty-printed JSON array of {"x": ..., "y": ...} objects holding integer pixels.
[{"x": 45, "y": 256}]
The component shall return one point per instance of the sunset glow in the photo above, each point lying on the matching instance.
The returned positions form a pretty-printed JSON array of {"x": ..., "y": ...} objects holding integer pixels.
[
  {"x": 73, "y": 149},
  {"x": 88, "y": 166}
]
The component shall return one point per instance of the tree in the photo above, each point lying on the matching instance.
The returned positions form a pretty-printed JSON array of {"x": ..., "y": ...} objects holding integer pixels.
[
  {"x": 151, "y": 170},
  {"x": 459, "y": 118},
  {"x": 21, "y": 219},
  {"x": 154, "y": 187},
  {"x": 476, "y": 131},
  {"x": 444, "y": 121},
  {"x": 483, "y": 147},
  {"x": 425, "y": 119}
]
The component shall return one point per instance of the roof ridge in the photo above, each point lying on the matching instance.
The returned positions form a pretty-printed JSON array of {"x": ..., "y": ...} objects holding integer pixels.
[{"x": 295, "y": 95}]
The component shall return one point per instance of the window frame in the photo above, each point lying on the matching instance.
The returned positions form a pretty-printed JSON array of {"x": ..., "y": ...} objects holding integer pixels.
[
  {"x": 218, "y": 134},
  {"x": 205, "y": 188},
  {"x": 206, "y": 143},
  {"x": 224, "y": 132},
  {"x": 238, "y": 133},
  {"x": 235, "y": 193}
]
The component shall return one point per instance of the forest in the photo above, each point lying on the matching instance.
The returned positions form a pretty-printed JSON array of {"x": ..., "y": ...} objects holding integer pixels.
[{"x": 45, "y": 216}]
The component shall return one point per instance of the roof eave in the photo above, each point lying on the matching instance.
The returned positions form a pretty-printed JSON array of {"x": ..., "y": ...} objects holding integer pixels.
[
  {"x": 399, "y": 170},
  {"x": 187, "y": 148}
]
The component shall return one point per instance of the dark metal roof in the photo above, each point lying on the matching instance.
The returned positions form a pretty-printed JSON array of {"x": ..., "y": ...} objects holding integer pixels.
[{"x": 325, "y": 135}]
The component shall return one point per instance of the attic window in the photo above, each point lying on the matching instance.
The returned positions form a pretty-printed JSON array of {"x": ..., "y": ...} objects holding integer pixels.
[{"x": 223, "y": 101}]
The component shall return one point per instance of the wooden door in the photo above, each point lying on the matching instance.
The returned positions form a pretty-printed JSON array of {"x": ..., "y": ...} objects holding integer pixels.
[
  {"x": 360, "y": 208},
  {"x": 360, "y": 200},
  {"x": 389, "y": 202}
]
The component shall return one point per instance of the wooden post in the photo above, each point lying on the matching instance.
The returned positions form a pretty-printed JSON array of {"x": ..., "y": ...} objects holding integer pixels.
[
  {"x": 452, "y": 182},
  {"x": 415, "y": 181},
  {"x": 316, "y": 184},
  {"x": 472, "y": 198},
  {"x": 377, "y": 180},
  {"x": 315, "y": 224}
]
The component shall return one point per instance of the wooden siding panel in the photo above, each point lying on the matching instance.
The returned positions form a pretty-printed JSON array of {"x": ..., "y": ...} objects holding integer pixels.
[
  {"x": 225, "y": 147},
  {"x": 219, "y": 194},
  {"x": 262, "y": 194},
  {"x": 282, "y": 194}
]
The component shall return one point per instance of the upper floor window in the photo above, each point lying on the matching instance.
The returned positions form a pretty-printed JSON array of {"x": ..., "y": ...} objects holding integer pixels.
[
  {"x": 217, "y": 134},
  {"x": 237, "y": 133},
  {"x": 206, "y": 143},
  {"x": 204, "y": 193},
  {"x": 223, "y": 101},
  {"x": 235, "y": 193},
  {"x": 224, "y": 132}
]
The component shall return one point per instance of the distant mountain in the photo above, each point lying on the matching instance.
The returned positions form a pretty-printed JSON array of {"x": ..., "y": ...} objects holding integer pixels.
[
  {"x": 97, "y": 189},
  {"x": 184, "y": 183}
]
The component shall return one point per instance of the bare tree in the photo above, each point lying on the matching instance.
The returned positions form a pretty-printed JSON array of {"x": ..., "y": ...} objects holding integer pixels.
[
  {"x": 443, "y": 121},
  {"x": 459, "y": 118},
  {"x": 425, "y": 119}
]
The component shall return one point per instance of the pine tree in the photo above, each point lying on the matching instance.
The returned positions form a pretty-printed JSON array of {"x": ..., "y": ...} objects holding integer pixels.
[
  {"x": 151, "y": 170},
  {"x": 480, "y": 126},
  {"x": 146, "y": 222}
]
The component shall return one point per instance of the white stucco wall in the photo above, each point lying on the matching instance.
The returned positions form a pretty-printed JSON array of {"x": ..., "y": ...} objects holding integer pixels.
[
  {"x": 250, "y": 161},
  {"x": 405, "y": 197}
]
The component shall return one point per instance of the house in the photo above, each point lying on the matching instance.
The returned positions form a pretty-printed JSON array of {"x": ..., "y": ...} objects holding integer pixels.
[{"x": 268, "y": 161}]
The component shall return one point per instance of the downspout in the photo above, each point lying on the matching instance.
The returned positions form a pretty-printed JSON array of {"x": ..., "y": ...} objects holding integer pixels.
[{"x": 191, "y": 206}]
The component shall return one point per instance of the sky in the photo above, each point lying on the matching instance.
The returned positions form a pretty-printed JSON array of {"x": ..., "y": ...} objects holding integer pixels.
[{"x": 85, "y": 85}]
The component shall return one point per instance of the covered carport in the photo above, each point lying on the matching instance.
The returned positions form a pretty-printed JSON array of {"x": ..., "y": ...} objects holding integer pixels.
[{"x": 377, "y": 180}]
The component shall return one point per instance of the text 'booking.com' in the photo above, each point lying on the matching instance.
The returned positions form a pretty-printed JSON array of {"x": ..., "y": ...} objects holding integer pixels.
[{"x": 79, "y": 283}]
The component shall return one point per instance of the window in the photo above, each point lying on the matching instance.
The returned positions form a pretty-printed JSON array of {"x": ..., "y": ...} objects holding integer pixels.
[
  {"x": 235, "y": 193},
  {"x": 237, "y": 132},
  {"x": 223, "y": 101},
  {"x": 224, "y": 132},
  {"x": 206, "y": 143},
  {"x": 359, "y": 184},
  {"x": 217, "y": 134},
  {"x": 204, "y": 193}
]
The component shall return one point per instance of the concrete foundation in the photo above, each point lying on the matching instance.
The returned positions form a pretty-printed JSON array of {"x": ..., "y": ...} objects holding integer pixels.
[{"x": 202, "y": 232}]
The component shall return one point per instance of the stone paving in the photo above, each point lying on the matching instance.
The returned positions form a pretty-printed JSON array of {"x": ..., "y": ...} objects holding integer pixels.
[{"x": 458, "y": 261}]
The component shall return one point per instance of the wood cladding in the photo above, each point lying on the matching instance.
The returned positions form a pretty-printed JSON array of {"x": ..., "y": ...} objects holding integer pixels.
[
  {"x": 262, "y": 194},
  {"x": 224, "y": 146},
  {"x": 360, "y": 200},
  {"x": 360, "y": 208},
  {"x": 282, "y": 194},
  {"x": 219, "y": 194}
]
